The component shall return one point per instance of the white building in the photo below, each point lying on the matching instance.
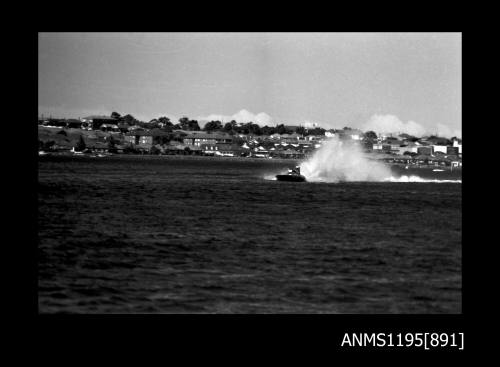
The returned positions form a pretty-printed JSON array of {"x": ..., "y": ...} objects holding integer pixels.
[
  {"x": 459, "y": 145},
  {"x": 440, "y": 148}
]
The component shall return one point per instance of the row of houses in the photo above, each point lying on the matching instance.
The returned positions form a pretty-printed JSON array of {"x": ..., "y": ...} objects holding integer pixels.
[
  {"x": 194, "y": 141},
  {"x": 401, "y": 148},
  {"x": 220, "y": 143},
  {"x": 99, "y": 123},
  {"x": 425, "y": 160}
]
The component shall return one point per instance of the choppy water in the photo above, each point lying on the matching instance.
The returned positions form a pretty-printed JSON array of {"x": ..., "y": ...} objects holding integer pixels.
[{"x": 204, "y": 235}]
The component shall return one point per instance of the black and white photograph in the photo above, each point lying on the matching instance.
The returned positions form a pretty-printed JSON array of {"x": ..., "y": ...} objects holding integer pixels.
[{"x": 249, "y": 173}]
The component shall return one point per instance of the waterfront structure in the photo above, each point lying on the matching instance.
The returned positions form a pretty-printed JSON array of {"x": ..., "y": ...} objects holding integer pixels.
[
  {"x": 197, "y": 138},
  {"x": 440, "y": 148},
  {"x": 425, "y": 150},
  {"x": 95, "y": 122},
  {"x": 146, "y": 139}
]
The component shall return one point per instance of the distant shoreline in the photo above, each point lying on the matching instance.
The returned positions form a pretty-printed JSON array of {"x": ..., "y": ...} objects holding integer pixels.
[
  {"x": 169, "y": 156},
  {"x": 291, "y": 161}
]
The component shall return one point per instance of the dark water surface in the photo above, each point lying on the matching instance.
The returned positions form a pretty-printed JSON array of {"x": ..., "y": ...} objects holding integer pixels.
[{"x": 203, "y": 235}]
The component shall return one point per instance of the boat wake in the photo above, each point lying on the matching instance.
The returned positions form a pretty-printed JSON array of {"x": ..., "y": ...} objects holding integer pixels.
[
  {"x": 270, "y": 177},
  {"x": 391, "y": 179},
  {"x": 418, "y": 179}
]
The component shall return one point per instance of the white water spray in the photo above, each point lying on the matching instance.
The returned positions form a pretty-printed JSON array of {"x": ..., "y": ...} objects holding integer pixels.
[
  {"x": 418, "y": 179},
  {"x": 339, "y": 160}
]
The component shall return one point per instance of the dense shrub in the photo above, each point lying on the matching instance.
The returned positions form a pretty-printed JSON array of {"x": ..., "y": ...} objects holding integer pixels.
[
  {"x": 155, "y": 150},
  {"x": 129, "y": 149}
]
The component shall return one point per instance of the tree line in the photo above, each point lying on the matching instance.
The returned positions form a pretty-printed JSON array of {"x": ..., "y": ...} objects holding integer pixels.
[{"x": 231, "y": 127}]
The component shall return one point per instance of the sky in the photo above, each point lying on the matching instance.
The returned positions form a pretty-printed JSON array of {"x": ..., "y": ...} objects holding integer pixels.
[{"x": 376, "y": 81}]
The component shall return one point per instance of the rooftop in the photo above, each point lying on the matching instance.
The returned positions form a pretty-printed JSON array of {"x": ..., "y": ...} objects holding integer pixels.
[
  {"x": 205, "y": 135},
  {"x": 98, "y": 117},
  {"x": 154, "y": 132}
]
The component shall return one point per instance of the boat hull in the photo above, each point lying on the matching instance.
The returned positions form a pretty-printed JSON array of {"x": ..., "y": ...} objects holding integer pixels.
[{"x": 291, "y": 178}]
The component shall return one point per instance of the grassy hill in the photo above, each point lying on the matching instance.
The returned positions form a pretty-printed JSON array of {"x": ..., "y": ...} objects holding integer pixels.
[{"x": 70, "y": 137}]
